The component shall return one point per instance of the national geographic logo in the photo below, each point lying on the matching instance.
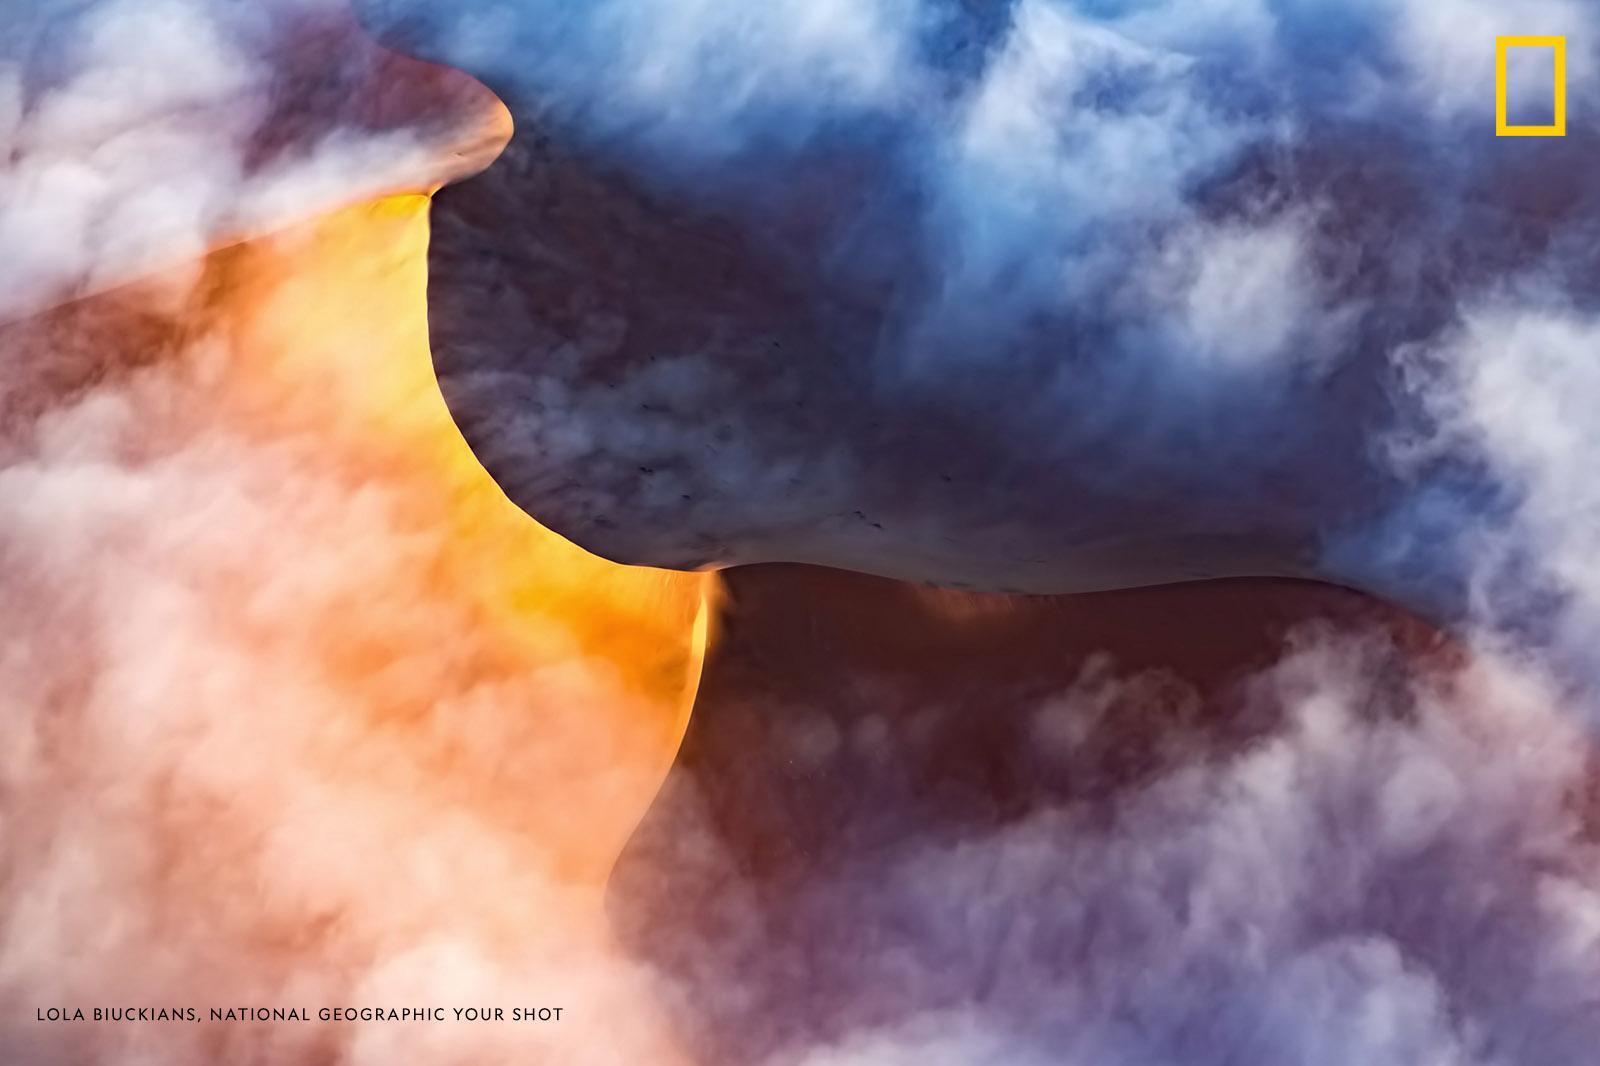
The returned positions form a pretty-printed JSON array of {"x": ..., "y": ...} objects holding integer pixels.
[{"x": 1504, "y": 47}]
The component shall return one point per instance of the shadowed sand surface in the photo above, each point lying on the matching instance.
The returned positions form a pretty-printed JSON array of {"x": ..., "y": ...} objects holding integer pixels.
[{"x": 850, "y": 729}]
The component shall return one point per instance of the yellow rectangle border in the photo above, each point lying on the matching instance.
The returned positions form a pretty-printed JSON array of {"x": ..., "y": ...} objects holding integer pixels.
[{"x": 1503, "y": 128}]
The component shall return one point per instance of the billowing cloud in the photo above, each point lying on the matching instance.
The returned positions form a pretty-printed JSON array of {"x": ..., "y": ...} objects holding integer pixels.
[
  {"x": 299, "y": 711},
  {"x": 1038, "y": 295},
  {"x": 1032, "y": 295},
  {"x": 1505, "y": 394},
  {"x": 1356, "y": 852},
  {"x": 141, "y": 135}
]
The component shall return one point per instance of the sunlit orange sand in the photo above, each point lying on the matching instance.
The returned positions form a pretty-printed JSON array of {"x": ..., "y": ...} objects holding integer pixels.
[
  {"x": 332, "y": 327},
  {"x": 306, "y": 712}
]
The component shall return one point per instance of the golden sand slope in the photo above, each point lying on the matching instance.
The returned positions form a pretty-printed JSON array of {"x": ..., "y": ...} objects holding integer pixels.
[{"x": 299, "y": 710}]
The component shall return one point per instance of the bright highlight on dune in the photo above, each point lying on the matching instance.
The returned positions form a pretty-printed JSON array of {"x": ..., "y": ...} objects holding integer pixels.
[
  {"x": 317, "y": 750},
  {"x": 299, "y": 709}
]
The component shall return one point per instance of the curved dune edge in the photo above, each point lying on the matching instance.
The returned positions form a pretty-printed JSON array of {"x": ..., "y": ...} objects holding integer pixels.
[
  {"x": 105, "y": 191},
  {"x": 305, "y": 711}
]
